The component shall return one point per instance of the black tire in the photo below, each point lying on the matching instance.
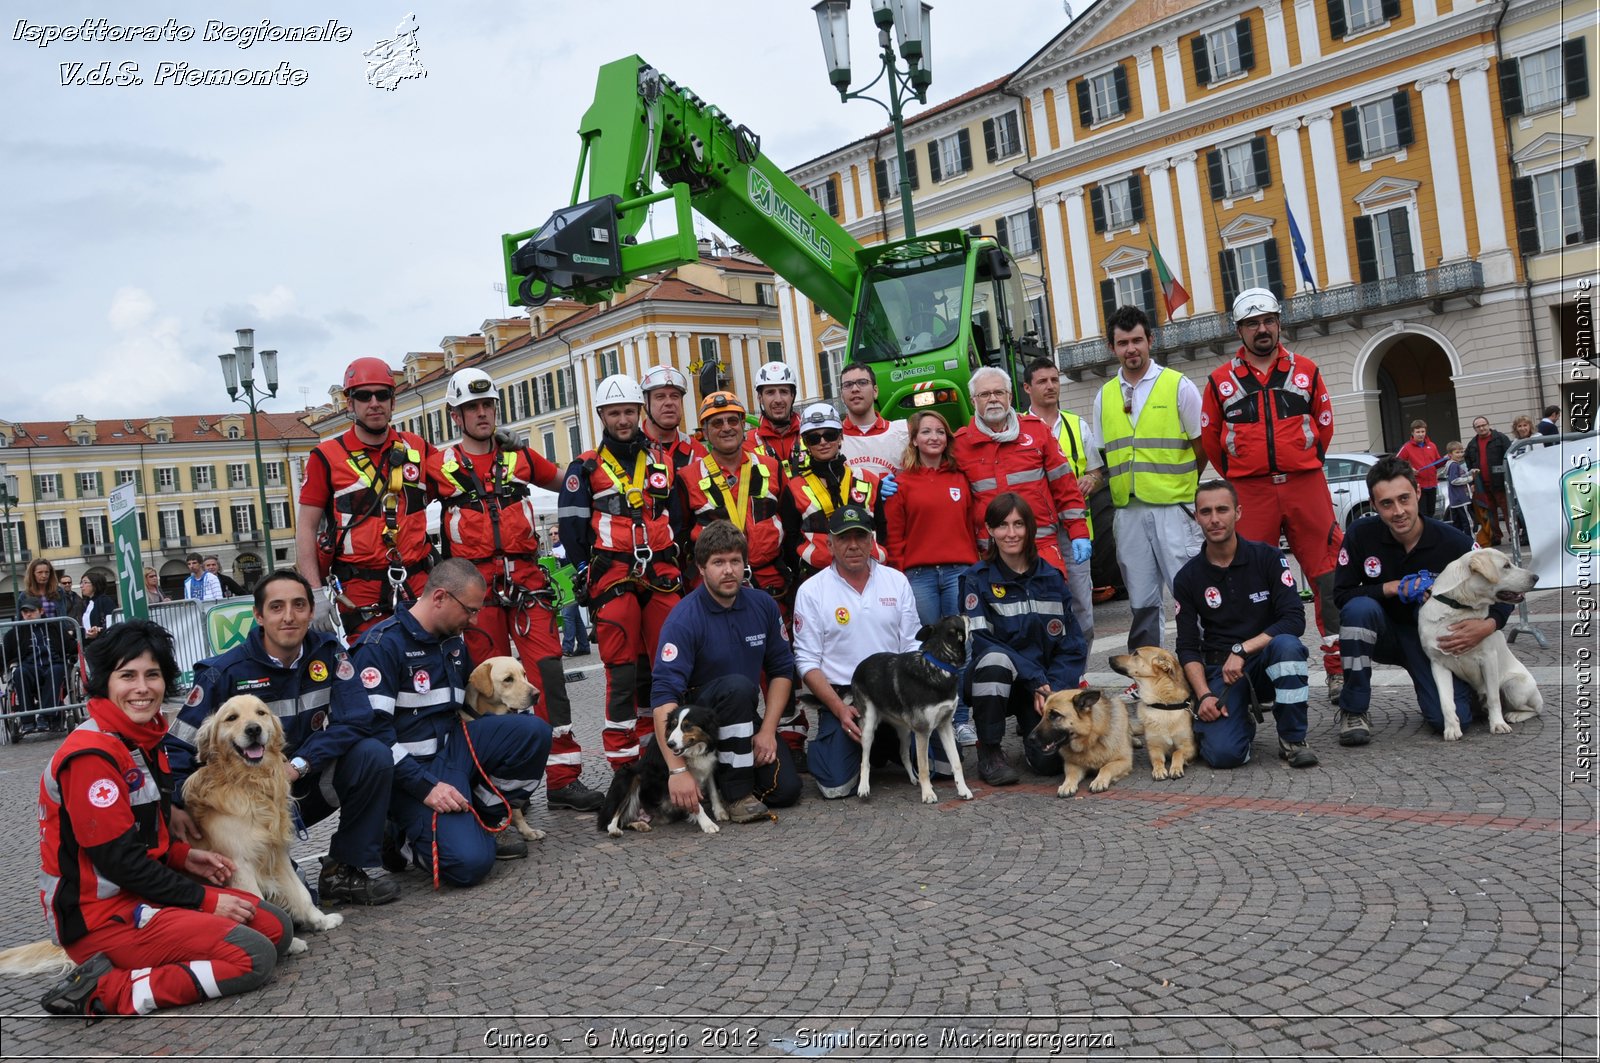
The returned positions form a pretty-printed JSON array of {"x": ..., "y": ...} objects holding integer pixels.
[{"x": 1356, "y": 513}]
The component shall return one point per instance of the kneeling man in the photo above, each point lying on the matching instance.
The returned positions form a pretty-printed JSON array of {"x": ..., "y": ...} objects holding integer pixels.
[
  {"x": 1240, "y": 619},
  {"x": 414, "y": 666},
  {"x": 715, "y": 645}
]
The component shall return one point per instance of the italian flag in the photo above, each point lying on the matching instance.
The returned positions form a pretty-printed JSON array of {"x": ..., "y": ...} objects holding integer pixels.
[{"x": 1171, "y": 290}]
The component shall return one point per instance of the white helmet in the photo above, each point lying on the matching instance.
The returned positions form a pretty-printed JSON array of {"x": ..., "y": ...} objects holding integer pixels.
[
  {"x": 820, "y": 415},
  {"x": 618, "y": 389},
  {"x": 468, "y": 385},
  {"x": 1253, "y": 302},
  {"x": 776, "y": 374},
  {"x": 663, "y": 376}
]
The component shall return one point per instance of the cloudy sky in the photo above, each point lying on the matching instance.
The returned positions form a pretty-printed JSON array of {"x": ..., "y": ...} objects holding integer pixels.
[{"x": 145, "y": 222}]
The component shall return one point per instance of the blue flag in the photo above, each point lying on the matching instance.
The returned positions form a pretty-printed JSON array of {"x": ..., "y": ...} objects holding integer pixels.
[{"x": 1299, "y": 248}]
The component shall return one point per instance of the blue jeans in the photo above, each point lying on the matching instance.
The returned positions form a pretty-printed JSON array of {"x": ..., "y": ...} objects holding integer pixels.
[
  {"x": 937, "y": 589},
  {"x": 1366, "y": 634},
  {"x": 574, "y": 630}
]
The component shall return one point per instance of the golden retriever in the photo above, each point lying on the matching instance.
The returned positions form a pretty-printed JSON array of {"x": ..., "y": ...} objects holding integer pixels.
[
  {"x": 1169, "y": 731},
  {"x": 496, "y": 687},
  {"x": 239, "y": 800},
  {"x": 1091, "y": 732}
]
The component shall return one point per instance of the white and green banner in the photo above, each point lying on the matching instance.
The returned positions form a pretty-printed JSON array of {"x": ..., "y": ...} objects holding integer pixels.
[{"x": 125, "y": 539}]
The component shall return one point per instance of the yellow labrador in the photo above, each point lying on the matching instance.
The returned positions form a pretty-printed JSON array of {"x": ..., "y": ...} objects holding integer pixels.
[{"x": 496, "y": 687}]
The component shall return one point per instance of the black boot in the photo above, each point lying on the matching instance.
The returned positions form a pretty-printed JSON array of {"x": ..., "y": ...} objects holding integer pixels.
[
  {"x": 993, "y": 768},
  {"x": 346, "y": 884},
  {"x": 72, "y": 995}
]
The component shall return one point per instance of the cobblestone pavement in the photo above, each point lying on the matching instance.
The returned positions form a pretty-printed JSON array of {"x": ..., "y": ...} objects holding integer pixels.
[{"x": 1407, "y": 899}]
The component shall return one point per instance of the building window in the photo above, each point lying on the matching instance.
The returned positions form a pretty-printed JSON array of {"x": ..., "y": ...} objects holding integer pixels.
[
  {"x": 274, "y": 471},
  {"x": 1347, "y": 17},
  {"x": 547, "y": 392},
  {"x": 610, "y": 362},
  {"x": 1103, "y": 96},
  {"x": 574, "y": 438},
  {"x": 774, "y": 350},
  {"x": 204, "y": 478},
  {"x": 1117, "y": 204},
  {"x": 1128, "y": 289},
  {"x": 950, "y": 156},
  {"x": 766, "y": 294},
  {"x": 238, "y": 474},
  {"x": 127, "y": 476},
  {"x": 710, "y": 351},
  {"x": 94, "y": 530},
  {"x": 1019, "y": 232},
  {"x": 1250, "y": 266},
  {"x": 1380, "y": 127},
  {"x": 826, "y": 193},
  {"x": 166, "y": 479},
  {"x": 88, "y": 484},
  {"x": 832, "y": 363},
  {"x": 1037, "y": 324},
  {"x": 1556, "y": 209},
  {"x": 1239, "y": 169},
  {"x": 278, "y": 514},
  {"x": 888, "y": 174},
  {"x": 244, "y": 517},
  {"x": 233, "y": 431},
  {"x": 15, "y": 540},
  {"x": 550, "y": 444},
  {"x": 208, "y": 521},
  {"x": 47, "y": 487},
  {"x": 1383, "y": 244},
  {"x": 1222, "y": 53},
  {"x": 53, "y": 533},
  {"x": 171, "y": 523},
  {"x": 1545, "y": 79},
  {"x": 1001, "y": 138}
]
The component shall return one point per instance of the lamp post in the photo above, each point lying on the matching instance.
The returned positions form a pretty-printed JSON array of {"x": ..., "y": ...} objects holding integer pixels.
[
  {"x": 238, "y": 373},
  {"x": 5, "y": 533},
  {"x": 910, "y": 20}
]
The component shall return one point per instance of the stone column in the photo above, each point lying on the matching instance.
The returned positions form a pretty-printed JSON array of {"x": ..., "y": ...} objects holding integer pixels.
[
  {"x": 1082, "y": 270},
  {"x": 1062, "y": 326},
  {"x": 1330, "y": 199},
  {"x": 1441, "y": 135},
  {"x": 1191, "y": 205},
  {"x": 1483, "y": 167},
  {"x": 1292, "y": 166}
]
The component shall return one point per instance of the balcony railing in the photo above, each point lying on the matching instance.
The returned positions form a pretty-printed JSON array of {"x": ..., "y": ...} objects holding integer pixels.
[
  {"x": 247, "y": 536},
  {"x": 96, "y": 549},
  {"x": 178, "y": 542},
  {"x": 1189, "y": 337}
]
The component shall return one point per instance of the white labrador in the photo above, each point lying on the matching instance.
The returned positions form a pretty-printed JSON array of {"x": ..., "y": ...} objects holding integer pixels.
[{"x": 1465, "y": 590}]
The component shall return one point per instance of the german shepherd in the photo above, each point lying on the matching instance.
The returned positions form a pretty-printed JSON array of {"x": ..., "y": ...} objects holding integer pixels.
[{"x": 916, "y": 694}]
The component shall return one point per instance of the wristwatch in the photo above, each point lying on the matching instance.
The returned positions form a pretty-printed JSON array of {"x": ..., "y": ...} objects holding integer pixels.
[
  {"x": 300, "y": 766},
  {"x": 1238, "y": 647}
]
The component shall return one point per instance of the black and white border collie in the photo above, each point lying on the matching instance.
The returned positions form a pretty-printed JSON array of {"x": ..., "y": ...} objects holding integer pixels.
[{"x": 639, "y": 790}]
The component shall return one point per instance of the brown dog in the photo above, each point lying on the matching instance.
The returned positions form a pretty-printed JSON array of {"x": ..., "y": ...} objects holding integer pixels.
[
  {"x": 496, "y": 687},
  {"x": 1165, "y": 702},
  {"x": 1091, "y": 732},
  {"x": 239, "y": 799}
]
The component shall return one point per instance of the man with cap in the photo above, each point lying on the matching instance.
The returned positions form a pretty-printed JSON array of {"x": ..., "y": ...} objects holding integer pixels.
[
  {"x": 42, "y": 653},
  {"x": 716, "y": 648},
  {"x": 1266, "y": 424},
  {"x": 664, "y": 388},
  {"x": 820, "y": 481},
  {"x": 485, "y": 484},
  {"x": 363, "y": 507},
  {"x": 850, "y": 610},
  {"x": 777, "y": 435},
  {"x": 621, "y": 522},
  {"x": 870, "y": 442}
]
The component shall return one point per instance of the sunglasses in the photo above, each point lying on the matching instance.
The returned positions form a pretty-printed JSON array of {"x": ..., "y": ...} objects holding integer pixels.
[
  {"x": 825, "y": 435},
  {"x": 381, "y": 394}
]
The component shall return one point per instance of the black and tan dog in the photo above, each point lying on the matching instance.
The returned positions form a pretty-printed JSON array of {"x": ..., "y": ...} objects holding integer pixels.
[
  {"x": 1090, "y": 731},
  {"x": 916, "y": 694},
  {"x": 639, "y": 790}
]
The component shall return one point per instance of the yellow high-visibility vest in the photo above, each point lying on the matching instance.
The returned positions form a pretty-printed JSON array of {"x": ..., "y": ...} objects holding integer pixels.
[{"x": 1154, "y": 462}]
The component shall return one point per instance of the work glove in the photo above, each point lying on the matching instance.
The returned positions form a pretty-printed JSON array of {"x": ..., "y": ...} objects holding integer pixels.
[
  {"x": 506, "y": 439},
  {"x": 1414, "y": 588},
  {"x": 322, "y": 616},
  {"x": 887, "y": 487},
  {"x": 580, "y": 583},
  {"x": 1082, "y": 550}
]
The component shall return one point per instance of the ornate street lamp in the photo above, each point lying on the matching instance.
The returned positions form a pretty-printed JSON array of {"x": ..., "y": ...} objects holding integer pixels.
[
  {"x": 238, "y": 373},
  {"x": 910, "y": 20}
]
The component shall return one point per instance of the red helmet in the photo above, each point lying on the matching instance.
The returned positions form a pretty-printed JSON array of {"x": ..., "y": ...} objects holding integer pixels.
[{"x": 372, "y": 372}]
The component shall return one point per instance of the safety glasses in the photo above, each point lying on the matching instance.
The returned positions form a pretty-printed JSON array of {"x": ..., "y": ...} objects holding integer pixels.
[{"x": 380, "y": 394}]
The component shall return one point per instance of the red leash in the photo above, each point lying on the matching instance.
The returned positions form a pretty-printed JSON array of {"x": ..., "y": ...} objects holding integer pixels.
[{"x": 490, "y": 783}]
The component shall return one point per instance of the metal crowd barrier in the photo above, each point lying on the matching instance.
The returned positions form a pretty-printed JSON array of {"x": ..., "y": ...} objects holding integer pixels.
[{"x": 51, "y": 646}]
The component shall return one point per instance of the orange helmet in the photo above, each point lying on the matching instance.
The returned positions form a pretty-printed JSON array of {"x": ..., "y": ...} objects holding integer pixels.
[
  {"x": 372, "y": 372},
  {"x": 721, "y": 402}
]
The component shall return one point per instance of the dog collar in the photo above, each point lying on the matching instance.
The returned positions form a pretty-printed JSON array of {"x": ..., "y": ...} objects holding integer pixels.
[
  {"x": 943, "y": 666},
  {"x": 1174, "y": 705},
  {"x": 1451, "y": 602}
]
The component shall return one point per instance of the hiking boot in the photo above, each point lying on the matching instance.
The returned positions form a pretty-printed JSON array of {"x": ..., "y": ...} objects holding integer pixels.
[
  {"x": 1335, "y": 688},
  {"x": 1353, "y": 729},
  {"x": 72, "y": 995},
  {"x": 993, "y": 768},
  {"x": 966, "y": 734},
  {"x": 1298, "y": 754},
  {"x": 748, "y": 809},
  {"x": 509, "y": 845},
  {"x": 575, "y": 796},
  {"x": 393, "y": 858},
  {"x": 347, "y": 884}
]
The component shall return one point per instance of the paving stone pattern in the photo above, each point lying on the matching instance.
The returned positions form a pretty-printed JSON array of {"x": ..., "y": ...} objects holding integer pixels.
[{"x": 1409, "y": 899}]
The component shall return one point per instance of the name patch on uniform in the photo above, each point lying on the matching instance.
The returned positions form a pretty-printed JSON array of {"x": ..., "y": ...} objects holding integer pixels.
[
  {"x": 244, "y": 686},
  {"x": 759, "y": 639},
  {"x": 842, "y": 615},
  {"x": 890, "y": 602},
  {"x": 371, "y": 677},
  {"x": 318, "y": 671},
  {"x": 1261, "y": 596},
  {"x": 420, "y": 681},
  {"x": 103, "y": 793},
  {"x": 669, "y": 652},
  {"x": 1213, "y": 597},
  {"x": 1372, "y": 566}
]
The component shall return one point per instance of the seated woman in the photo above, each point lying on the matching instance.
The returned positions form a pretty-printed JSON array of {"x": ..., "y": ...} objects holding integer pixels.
[
  {"x": 927, "y": 521},
  {"x": 1025, "y": 643},
  {"x": 146, "y": 918}
]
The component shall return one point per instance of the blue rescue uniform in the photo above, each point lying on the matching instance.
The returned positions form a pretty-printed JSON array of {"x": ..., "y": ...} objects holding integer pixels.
[
  {"x": 1384, "y": 629},
  {"x": 415, "y": 683},
  {"x": 326, "y": 721},
  {"x": 1024, "y": 637},
  {"x": 1218, "y": 607}
]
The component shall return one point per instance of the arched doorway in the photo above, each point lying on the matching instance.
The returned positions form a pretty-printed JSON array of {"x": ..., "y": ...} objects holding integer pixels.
[
  {"x": 173, "y": 572},
  {"x": 1414, "y": 379}
]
